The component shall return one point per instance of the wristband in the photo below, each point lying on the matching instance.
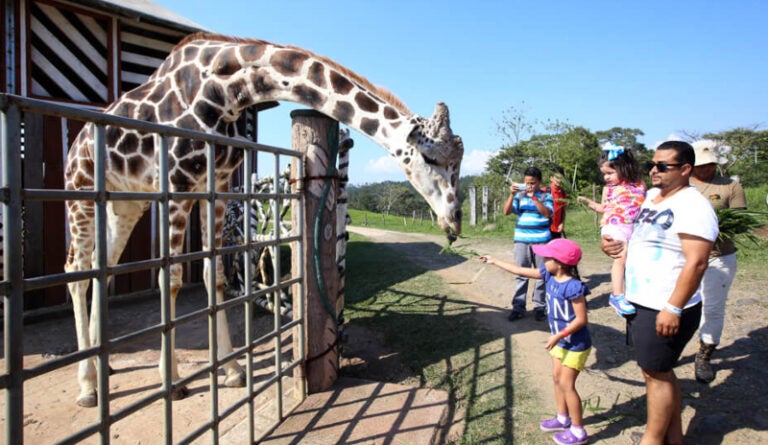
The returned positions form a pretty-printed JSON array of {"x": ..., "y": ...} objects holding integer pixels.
[
  {"x": 564, "y": 332},
  {"x": 672, "y": 309}
]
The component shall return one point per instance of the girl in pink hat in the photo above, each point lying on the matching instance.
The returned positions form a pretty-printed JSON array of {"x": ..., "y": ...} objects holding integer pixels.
[{"x": 569, "y": 343}]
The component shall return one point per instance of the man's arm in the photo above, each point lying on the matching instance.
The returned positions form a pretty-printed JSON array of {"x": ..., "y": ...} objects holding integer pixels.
[
  {"x": 509, "y": 206},
  {"x": 696, "y": 251}
]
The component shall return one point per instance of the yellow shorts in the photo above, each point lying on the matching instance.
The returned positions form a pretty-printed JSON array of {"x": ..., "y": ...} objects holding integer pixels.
[{"x": 572, "y": 359}]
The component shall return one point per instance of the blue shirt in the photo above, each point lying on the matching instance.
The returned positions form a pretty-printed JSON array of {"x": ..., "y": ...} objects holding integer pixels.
[
  {"x": 532, "y": 227},
  {"x": 560, "y": 310}
]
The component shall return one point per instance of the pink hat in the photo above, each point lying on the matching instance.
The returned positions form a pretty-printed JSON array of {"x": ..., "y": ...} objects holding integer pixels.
[{"x": 561, "y": 249}]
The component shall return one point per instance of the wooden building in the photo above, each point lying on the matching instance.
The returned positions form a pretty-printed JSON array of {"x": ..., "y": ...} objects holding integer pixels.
[{"x": 86, "y": 53}]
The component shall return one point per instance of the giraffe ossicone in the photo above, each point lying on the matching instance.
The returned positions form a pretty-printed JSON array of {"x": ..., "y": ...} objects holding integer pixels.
[{"x": 204, "y": 84}]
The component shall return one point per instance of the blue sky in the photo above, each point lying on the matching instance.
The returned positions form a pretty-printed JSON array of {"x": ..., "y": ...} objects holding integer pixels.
[{"x": 665, "y": 67}]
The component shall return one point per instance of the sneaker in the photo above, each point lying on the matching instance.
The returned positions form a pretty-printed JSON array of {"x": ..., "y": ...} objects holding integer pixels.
[
  {"x": 553, "y": 425},
  {"x": 516, "y": 314},
  {"x": 622, "y": 306},
  {"x": 540, "y": 314},
  {"x": 568, "y": 438}
]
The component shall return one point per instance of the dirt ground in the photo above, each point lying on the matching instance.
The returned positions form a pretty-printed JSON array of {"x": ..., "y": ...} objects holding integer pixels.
[{"x": 731, "y": 410}]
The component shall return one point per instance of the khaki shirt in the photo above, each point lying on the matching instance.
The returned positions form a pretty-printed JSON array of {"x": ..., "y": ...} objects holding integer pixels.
[{"x": 722, "y": 193}]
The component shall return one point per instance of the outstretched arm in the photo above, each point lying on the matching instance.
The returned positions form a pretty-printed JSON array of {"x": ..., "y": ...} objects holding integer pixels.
[
  {"x": 528, "y": 272},
  {"x": 593, "y": 205}
]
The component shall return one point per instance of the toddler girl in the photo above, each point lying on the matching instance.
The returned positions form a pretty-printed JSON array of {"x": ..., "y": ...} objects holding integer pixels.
[{"x": 623, "y": 194}]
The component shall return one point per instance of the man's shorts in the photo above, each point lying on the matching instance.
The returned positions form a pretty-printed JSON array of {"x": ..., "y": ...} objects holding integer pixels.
[
  {"x": 572, "y": 359},
  {"x": 654, "y": 352}
]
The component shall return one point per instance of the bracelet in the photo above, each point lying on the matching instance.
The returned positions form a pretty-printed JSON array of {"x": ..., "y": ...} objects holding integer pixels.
[
  {"x": 564, "y": 332},
  {"x": 672, "y": 309}
]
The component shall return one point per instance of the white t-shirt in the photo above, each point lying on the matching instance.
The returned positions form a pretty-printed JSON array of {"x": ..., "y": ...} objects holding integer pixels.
[{"x": 655, "y": 255}]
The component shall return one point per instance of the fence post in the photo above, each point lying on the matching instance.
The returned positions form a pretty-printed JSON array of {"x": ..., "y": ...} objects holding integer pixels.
[
  {"x": 473, "y": 206},
  {"x": 316, "y": 135}
]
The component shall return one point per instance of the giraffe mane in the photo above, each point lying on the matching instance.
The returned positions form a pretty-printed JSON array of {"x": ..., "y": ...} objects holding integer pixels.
[{"x": 383, "y": 93}]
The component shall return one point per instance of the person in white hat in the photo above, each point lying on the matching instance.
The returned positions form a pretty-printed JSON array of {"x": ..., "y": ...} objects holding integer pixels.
[{"x": 722, "y": 193}]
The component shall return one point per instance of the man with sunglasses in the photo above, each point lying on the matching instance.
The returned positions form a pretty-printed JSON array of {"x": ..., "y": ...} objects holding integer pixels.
[{"x": 674, "y": 232}]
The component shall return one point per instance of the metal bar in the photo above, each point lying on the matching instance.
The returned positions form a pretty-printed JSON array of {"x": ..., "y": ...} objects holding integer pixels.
[
  {"x": 248, "y": 272},
  {"x": 210, "y": 261},
  {"x": 100, "y": 306},
  {"x": 277, "y": 317},
  {"x": 299, "y": 309},
  {"x": 13, "y": 288},
  {"x": 13, "y": 302},
  {"x": 99, "y": 118},
  {"x": 166, "y": 310}
]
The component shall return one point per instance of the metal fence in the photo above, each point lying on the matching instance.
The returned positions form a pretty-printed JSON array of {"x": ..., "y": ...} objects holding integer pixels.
[{"x": 32, "y": 380}]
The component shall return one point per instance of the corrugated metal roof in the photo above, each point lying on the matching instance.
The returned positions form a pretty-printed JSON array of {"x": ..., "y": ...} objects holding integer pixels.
[{"x": 146, "y": 10}]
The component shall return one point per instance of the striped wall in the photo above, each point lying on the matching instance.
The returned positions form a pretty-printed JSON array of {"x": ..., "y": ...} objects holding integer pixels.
[
  {"x": 68, "y": 54},
  {"x": 72, "y": 58},
  {"x": 142, "y": 50}
]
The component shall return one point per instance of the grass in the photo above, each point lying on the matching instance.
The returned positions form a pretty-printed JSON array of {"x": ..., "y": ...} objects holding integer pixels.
[{"x": 438, "y": 337}]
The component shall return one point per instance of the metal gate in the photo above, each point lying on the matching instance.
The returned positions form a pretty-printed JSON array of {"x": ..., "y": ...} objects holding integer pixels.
[{"x": 137, "y": 405}]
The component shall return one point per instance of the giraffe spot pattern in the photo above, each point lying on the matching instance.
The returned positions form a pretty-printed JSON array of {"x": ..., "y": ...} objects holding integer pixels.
[
  {"x": 170, "y": 106},
  {"x": 252, "y": 52},
  {"x": 390, "y": 113},
  {"x": 212, "y": 91},
  {"x": 344, "y": 112},
  {"x": 238, "y": 92},
  {"x": 341, "y": 84},
  {"x": 208, "y": 113},
  {"x": 226, "y": 63},
  {"x": 207, "y": 54},
  {"x": 190, "y": 53},
  {"x": 369, "y": 126},
  {"x": 316, "y": 74},
  {"x": 287, "y": 62},
  {"x": 309, "y": 96},
  {"x": 262, "y": 84},
  {"x": 129, "y": 144},
  {"x": 188, "y": 81},
  {"x": 136, "y": 165},
  {"x": 146, "y": 113},
  {"x": 117, "y": 161},
  {"x": 365, "y": 103}
]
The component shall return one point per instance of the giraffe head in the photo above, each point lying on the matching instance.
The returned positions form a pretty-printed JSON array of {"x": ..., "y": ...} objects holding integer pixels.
[{"x": 432, "y": 162}]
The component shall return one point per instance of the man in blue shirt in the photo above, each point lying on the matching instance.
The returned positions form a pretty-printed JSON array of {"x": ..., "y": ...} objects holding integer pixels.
[{"x": 534, "y": 208}]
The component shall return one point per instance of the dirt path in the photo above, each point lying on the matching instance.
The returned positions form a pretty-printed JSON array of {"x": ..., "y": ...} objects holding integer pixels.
[{"x": 732, "y": 410}]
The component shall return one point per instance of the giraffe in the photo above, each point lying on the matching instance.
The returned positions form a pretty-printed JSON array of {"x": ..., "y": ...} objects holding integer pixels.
[{"x": 204, "y": 84}]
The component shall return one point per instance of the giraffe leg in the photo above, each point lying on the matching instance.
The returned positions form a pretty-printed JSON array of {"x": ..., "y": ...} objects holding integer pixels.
[
  {"x": 79, "y": 258},
  {"x": 181, "y": 392},
  {"x": 235, "y": 375},
  {"x": 179, "y": 217}
]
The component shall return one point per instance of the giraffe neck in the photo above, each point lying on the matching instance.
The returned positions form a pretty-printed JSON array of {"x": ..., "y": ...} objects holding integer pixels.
[{"x": 235, "y": 74}]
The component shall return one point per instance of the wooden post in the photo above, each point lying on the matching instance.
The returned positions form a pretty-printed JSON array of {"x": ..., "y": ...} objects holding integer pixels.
[
  {"x": 473, "y": 206},
  {"x": 316, "y": 135}
]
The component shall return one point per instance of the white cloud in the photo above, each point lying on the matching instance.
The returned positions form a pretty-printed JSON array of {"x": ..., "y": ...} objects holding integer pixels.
[
  {"x": 474, "y": 161},
  {"x": 384, "y": 165}
]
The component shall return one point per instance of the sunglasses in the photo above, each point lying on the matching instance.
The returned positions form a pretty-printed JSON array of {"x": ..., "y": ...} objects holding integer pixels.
[{"x": 661, "y": 167}]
